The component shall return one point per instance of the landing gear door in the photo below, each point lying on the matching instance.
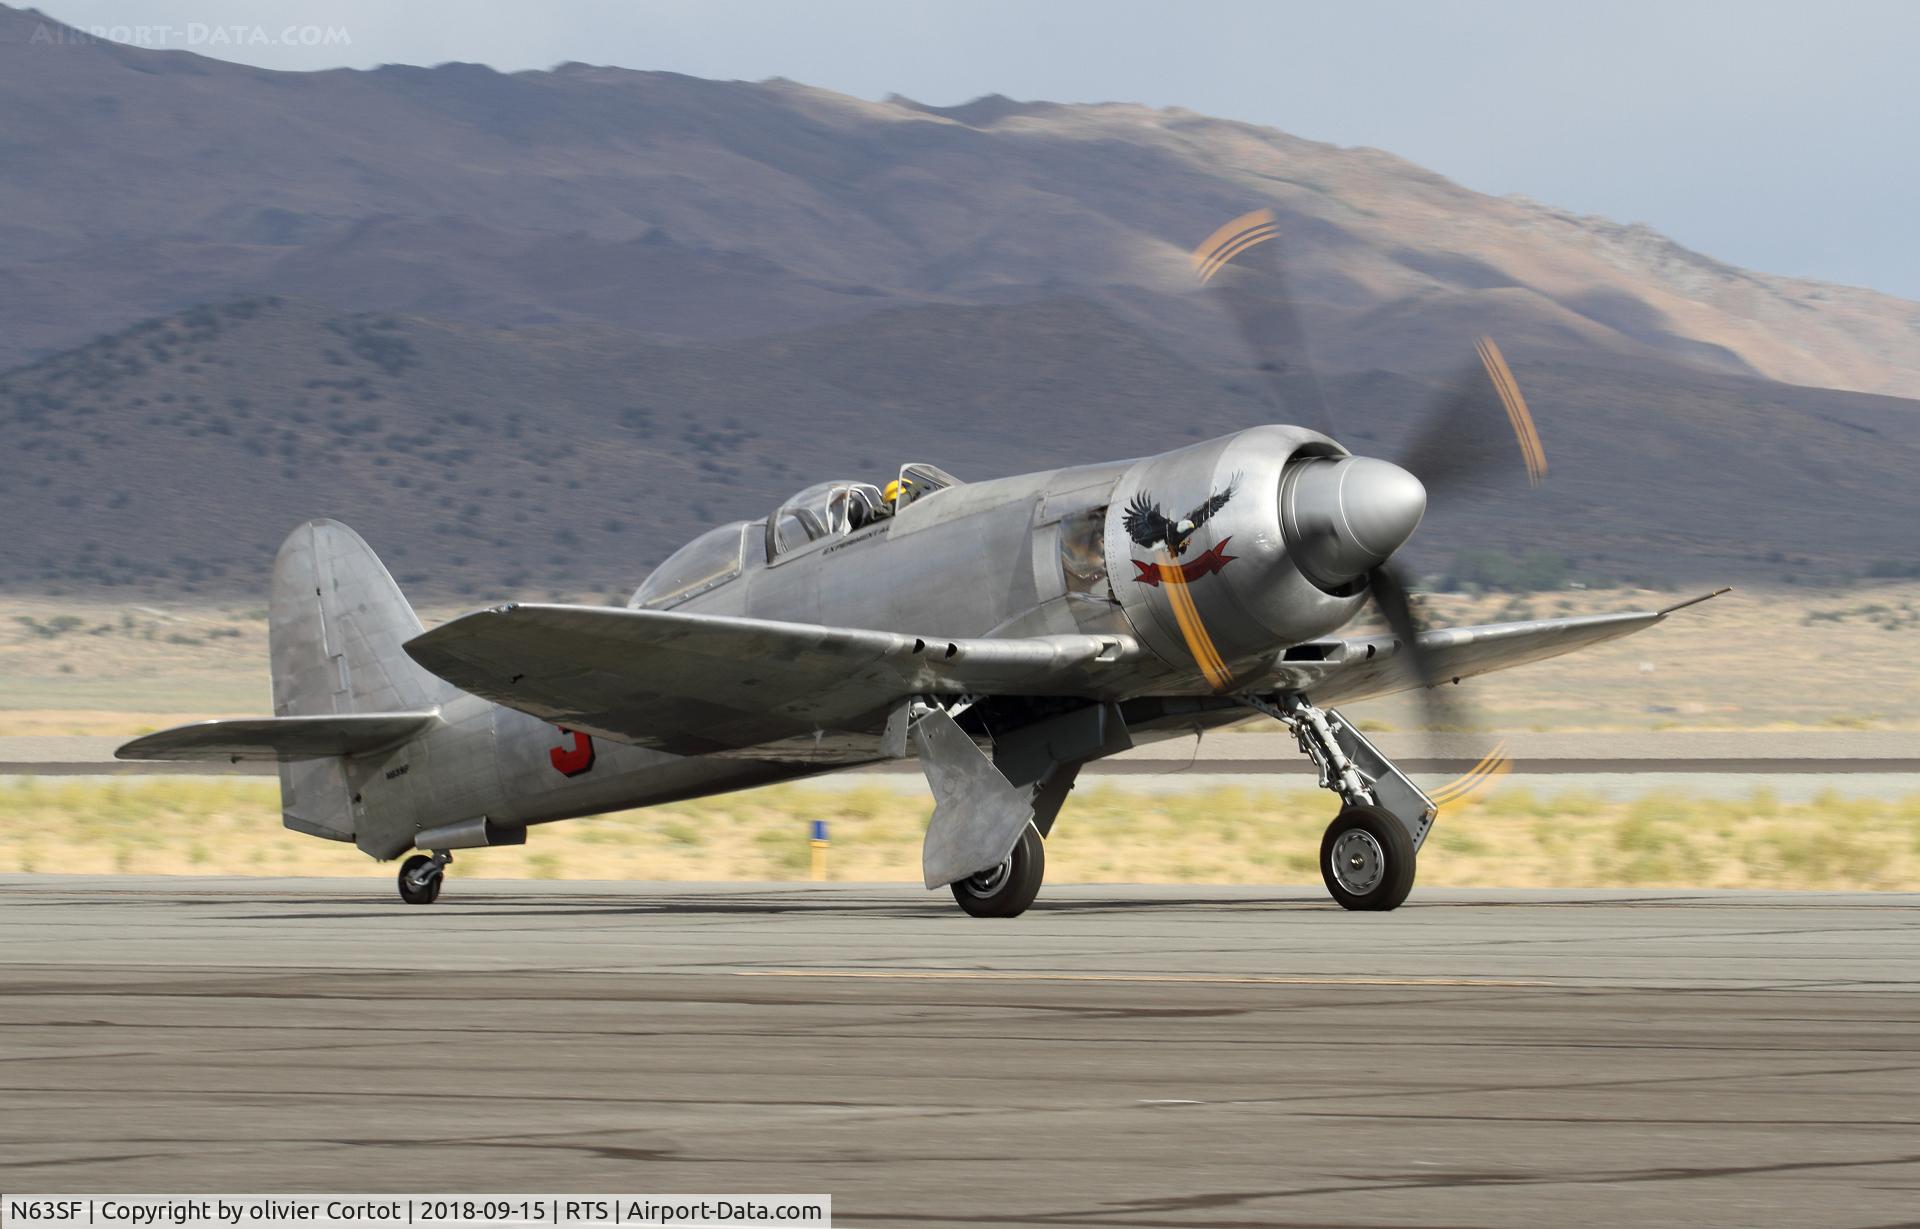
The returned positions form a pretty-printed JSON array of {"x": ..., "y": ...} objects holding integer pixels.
[{"x": 1392, "y": 789}]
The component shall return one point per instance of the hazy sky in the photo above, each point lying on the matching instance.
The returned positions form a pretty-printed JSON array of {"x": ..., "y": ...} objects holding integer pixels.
[{"x": 1780, "y": 136}]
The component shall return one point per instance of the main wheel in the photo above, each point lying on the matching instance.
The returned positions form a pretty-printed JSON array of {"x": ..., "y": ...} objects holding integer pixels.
[
  {"x": 416, "y": 887},
  {"x": 1007, "y": 889},
  {"x": 1367, "y": 859}
]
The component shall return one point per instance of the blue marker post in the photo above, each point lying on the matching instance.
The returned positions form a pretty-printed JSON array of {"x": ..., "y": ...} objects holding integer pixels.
[{"x": 818, "y": 840}]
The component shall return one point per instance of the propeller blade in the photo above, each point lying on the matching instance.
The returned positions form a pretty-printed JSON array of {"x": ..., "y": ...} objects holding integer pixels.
[
  {"x": 1476, "y": 782},
  {"x": 1461, "y": 442},
  {"x": 1389, "y": 592},
  {"x": 1241, "y": 264},
  {"x": 1443, "y": 712},
  {"x": 1218, "y": 249},
  {"x": 1389, "y": 595}
]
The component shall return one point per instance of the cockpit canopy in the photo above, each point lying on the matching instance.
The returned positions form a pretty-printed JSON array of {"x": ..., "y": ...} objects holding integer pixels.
[
  {"x": 707, "y": 562},
  {"x": 823, "y": 510},
  {"x": 835, "y": 509}
]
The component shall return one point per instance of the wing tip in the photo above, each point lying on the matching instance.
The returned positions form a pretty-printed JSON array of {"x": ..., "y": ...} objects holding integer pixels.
[
  {"x": 151, "y": 747},
  {"x": 1664, "y": 611}
]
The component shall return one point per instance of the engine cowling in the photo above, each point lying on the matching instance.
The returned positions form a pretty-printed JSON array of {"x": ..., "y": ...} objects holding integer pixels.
[{"x": 1226, "y": 552}]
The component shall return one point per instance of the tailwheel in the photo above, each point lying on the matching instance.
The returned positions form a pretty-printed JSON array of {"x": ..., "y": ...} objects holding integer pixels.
[
  {"x": 1367, "y": 859},
  {"x": 1007, "y": 889},
  {"x": 421, "y": 877}
]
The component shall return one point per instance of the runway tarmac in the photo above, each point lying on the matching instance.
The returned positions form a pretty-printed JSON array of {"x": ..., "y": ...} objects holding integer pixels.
[{"x": 1117, "y": 1057}]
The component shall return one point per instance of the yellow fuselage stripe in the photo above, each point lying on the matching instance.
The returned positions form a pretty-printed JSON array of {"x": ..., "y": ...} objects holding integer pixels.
[{"x": 1192, "y": 630}]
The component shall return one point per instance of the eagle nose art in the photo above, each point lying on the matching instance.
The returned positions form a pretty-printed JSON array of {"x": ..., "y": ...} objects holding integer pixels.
[{"x": 1344, "y": 516}]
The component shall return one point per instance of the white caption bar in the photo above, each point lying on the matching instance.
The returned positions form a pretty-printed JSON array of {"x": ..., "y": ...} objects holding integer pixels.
[{"x": 396, "y": 1211}]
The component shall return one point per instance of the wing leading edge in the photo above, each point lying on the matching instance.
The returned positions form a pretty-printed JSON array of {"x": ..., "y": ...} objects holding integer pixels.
[
  {"x": 1343, "y": 671},
  {"x": 694, "y": 684}
]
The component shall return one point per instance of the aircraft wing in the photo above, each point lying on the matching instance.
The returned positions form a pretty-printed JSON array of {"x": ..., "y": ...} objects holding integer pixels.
[
  {"x": 696, "y": 684},
  {"x": 1343, "y": 671}
]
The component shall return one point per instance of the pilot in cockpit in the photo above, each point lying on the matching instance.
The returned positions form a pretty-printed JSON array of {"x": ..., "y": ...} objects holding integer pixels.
[
  {"x": 858, "y": 506},
  {"x": 859, "y": 513}
]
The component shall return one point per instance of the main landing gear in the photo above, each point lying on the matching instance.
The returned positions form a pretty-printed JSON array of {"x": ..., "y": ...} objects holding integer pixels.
[
  {"x": 421, "y": 877},
  {"x": 1007, "y": 889},
  {"x": 1370, "y": 850},
  {"x": 985, "y": 840},
  {"x": 1367, "y": 859}
]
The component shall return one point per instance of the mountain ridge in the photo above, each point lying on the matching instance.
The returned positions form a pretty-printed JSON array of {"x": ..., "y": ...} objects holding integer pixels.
[
  {"x": 530, "y": 331},
  {"x": 243, "y": 167}
]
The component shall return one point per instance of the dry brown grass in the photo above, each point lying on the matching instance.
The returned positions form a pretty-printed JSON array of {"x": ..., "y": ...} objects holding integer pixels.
[{"x": 1515, "y": 838}]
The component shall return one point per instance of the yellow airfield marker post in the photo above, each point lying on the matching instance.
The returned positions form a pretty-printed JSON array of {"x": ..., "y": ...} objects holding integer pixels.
[{"x": 818, "y": 839}]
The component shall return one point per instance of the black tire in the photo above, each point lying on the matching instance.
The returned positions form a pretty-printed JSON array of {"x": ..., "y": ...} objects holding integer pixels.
[
  {"x": 1007, "y": 889},
  {"x": 1375, "y": 858},
  {"x": 415, "y": 893}
]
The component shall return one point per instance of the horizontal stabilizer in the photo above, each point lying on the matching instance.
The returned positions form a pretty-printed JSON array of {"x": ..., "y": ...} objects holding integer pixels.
[{"x": 278, "y": 738}]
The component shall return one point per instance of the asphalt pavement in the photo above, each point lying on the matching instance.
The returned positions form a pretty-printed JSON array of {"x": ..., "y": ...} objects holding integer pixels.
[{"x": 1119, "y": 1056}]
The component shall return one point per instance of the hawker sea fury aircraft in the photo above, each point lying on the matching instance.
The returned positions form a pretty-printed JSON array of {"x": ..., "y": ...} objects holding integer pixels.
[{"x": 1005, "y": 632}]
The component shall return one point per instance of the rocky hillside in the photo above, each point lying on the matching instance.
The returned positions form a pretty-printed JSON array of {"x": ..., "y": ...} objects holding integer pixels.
[
  {"x": 173, "y": 456},
  {"x": 177, "y": 453},
  {"x": 529, "y": 331}
]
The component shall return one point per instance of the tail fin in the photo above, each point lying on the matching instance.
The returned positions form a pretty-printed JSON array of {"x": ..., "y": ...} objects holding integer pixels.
[{"x": 335, "y": 624}]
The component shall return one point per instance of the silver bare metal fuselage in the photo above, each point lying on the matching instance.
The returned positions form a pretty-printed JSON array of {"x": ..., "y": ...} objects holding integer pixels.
[
  {"x": 973, "y": 560},
  {"x": 967, "y": 561}
]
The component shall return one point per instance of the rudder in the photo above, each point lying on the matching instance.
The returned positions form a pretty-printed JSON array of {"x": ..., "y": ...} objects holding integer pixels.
[
  {"x": 335, "y": 626},
  {"x": 336, "y": 622}
]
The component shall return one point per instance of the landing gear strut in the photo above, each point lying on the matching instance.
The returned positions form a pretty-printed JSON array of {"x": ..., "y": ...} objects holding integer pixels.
[
  {"x": 1368, "y": 855},
  {"x": 421, "y": 877}
]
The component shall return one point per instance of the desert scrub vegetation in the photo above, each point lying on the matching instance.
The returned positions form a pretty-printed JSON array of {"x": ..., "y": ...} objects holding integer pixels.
[
  {"x": 1514, "y": 838},
  {"x": 1891, "y": 616}
]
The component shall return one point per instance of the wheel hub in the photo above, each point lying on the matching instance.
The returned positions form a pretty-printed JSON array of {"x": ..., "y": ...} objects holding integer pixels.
[
  {"x": 987, "y": 882},
  {"x": 1357, "y": 861}
]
